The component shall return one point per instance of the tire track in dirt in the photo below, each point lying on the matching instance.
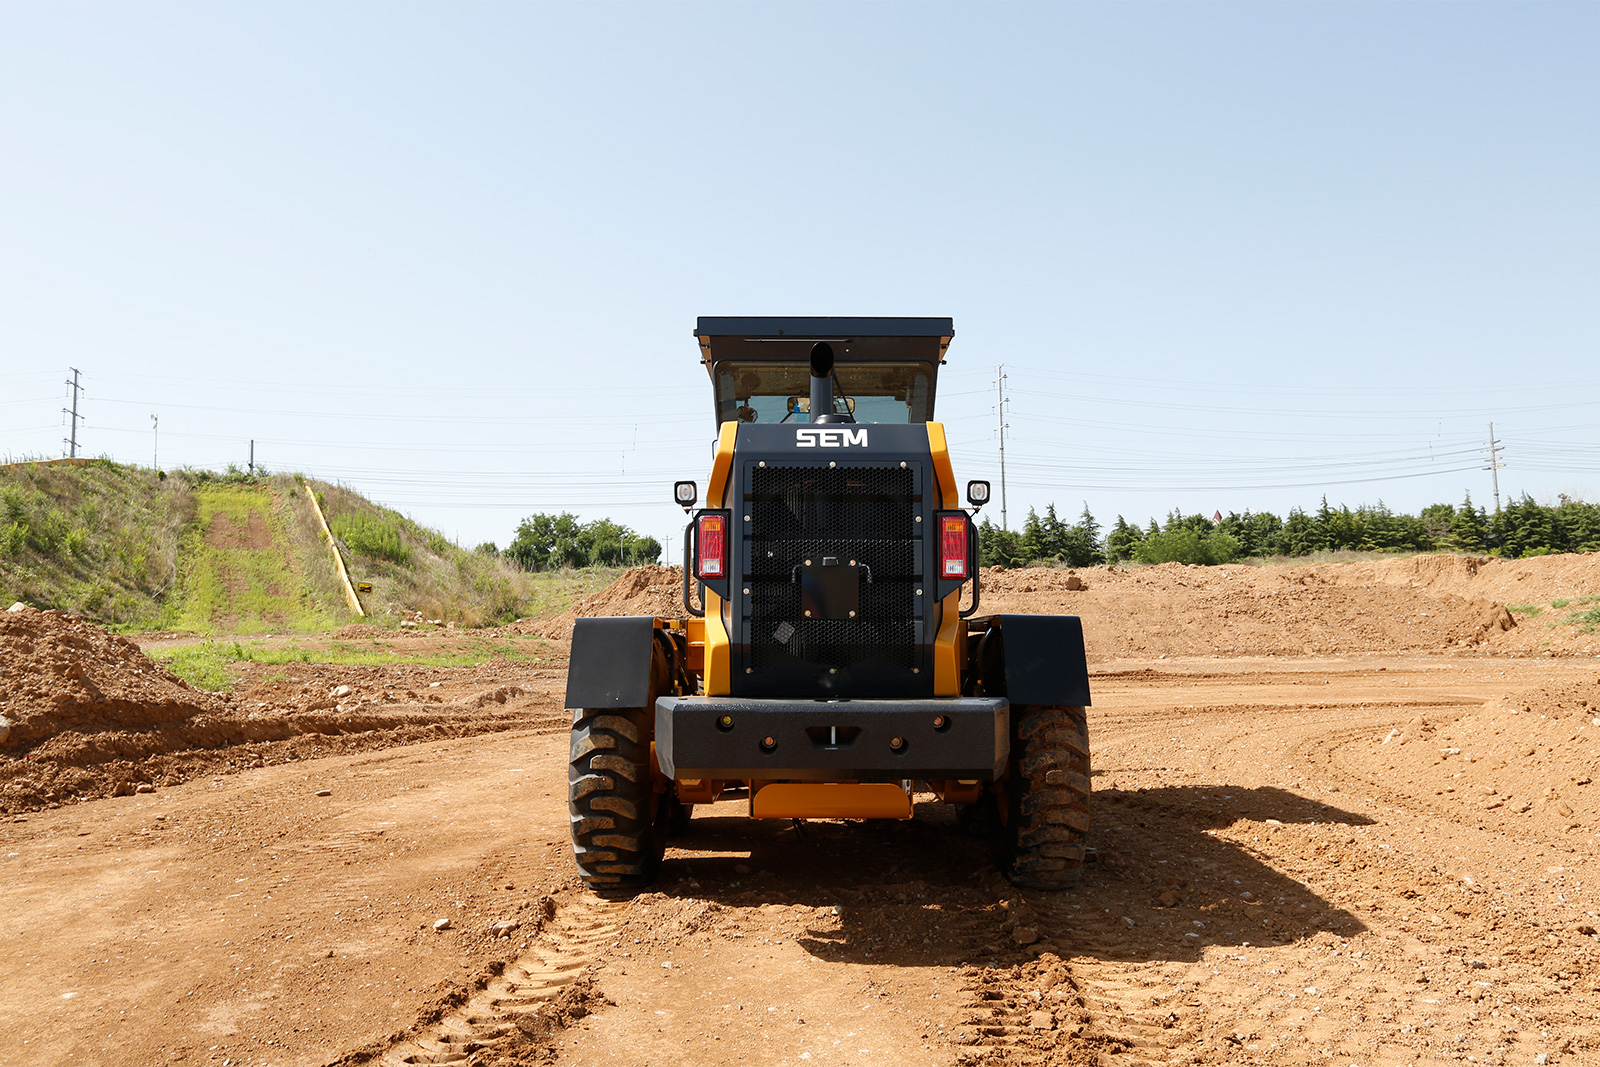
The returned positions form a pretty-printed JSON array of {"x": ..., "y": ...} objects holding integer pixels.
[{"x": 513, "y": 1009}]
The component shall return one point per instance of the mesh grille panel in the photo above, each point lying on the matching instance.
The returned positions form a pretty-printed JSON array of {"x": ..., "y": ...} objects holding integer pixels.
[{"x": 866, "y": 514}]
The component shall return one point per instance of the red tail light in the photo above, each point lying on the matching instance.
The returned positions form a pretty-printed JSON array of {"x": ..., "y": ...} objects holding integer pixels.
[
  {"x": 953, "y": 562},
  {"x": 711, "y": 546}
]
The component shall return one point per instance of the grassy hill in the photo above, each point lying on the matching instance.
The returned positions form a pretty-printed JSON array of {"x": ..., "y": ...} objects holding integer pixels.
[
  {"x": 215, "y": 553},
  {"x": 98, "y": 540}
]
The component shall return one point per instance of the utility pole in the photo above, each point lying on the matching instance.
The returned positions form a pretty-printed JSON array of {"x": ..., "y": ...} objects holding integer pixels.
[
  {"x": 1000, "y": 410},
  {"x": 252, "y": 459},
  {"x": 72, "y": 441},
  {"x": 1494, "y": 466}
]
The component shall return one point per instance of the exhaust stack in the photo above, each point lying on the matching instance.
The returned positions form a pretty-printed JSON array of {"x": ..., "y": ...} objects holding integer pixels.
[{"x": 822, "y": 385}]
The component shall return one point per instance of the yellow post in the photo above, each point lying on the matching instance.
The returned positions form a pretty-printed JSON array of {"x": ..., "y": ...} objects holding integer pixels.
[{"x": 338, "y": 560}]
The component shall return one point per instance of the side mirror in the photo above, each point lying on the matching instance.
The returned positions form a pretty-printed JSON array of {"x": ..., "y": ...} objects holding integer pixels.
[
  {"x": 977, "y": 493},
  {"x": 684, "y": 494}
]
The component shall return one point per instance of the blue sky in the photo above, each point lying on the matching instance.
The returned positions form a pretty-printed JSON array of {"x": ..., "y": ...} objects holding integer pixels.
[{"x": 1232, "y": 256}]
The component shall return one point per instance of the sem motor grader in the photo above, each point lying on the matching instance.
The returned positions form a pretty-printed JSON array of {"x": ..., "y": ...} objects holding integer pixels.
[{"x": 825, "y": 662}]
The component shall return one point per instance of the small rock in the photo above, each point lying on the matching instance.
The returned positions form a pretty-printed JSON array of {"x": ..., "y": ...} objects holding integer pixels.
[
  {"x": 434, "y": 685},
  {"x": 504, "y": 928},
  {"x": 441, "y": 924},
  {"x": 324, "y": 792},
  {"x": 18, "y": 606},
  {"x": 5, "y": 729},
  {"x": 1168, "y": 899},
  {"x": 144, "y": 787},
  {"x": 1563, "y": 808},
  {"x": 741, "y": 868},
  {"x": 1041, "y": 1020},
  {"x": 342, "y": 691},
  {"x": 1025, "y": 935},
  {"x": 1476, "y": 965},
  {"x": 407, "y": 624},
  {"x": 1542, "y": 1058}
]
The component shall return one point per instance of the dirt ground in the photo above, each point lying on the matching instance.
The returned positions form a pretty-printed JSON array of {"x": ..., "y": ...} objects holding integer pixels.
[{"x": 1344, "y": 814}]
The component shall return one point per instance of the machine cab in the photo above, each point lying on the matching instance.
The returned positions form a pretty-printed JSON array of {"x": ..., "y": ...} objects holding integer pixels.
[{"x": 884, "y": 370}]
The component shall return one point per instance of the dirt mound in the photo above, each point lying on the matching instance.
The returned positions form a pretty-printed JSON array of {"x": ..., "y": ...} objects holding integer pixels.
[
  {"x": 1421, "y": 604},
  {"x": 87, "y": 714},
  {"x": 647, "y": 590},
  {"x": 1532, "y": 757},
  {"x": 1538, "y": 579},
  {"x": 61, "y": 674}
]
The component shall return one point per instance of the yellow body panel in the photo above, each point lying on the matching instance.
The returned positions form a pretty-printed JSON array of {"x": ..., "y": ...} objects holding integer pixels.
[
  {"x": 830, "y": 800},
  {"x": 952, "y": 636},
  {"x": 719, "y": 650},
  {"x": 695, "y": 631},
  {"x": 943, "y": 473},
  {"x": 722, "y": 466}
]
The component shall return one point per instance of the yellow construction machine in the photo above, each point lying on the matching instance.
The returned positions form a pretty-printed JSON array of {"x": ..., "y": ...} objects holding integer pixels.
[{"x": 825, "y": 667}]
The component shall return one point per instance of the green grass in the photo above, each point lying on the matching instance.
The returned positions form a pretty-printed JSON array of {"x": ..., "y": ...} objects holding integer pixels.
[
  {"x": 137, "y": 549},
  {"x": 205, "y": 665},
  {"x": 99, "y": 540},
  {"x": 413, "y": 568},
  {"x": 1586, "y": 621},
  {"x": 231, "y": 584},
  {"x": 373, "y": 536},
  {"x": 202, "y": 666}
]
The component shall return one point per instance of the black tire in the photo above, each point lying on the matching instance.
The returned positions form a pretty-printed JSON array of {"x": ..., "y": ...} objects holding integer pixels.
[
  {"x": 1046, "y": 798},
  {"x": 618, "y": 820}
]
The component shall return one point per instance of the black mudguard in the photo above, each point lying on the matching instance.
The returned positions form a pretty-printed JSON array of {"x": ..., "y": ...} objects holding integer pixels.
[
  {"x": 611, "y": 662},
  {"x": 1040, "y": 659}
]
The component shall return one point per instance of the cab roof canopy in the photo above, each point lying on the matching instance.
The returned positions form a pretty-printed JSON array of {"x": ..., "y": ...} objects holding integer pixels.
[{"x": 789, "y": 339}]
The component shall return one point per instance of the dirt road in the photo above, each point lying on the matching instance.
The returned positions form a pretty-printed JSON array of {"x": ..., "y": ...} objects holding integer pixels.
[{"x": 1376, "y": 858}]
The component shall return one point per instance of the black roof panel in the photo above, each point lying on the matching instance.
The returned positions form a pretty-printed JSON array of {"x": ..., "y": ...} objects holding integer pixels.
[
  {"x": 820, "y": 327},
  {"x": 789, "y": 338}
]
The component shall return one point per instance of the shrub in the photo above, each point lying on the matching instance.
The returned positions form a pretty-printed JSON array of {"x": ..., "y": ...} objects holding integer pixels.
[
  {"x": 370, "y": 536},
  {"x": 1186, "y": 545}
]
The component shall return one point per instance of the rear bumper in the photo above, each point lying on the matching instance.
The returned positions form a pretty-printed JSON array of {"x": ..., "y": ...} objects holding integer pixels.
[{"x": 832, "y": 740}]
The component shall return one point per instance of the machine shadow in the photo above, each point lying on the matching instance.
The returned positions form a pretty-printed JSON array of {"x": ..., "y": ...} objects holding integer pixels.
[{"x": 1159, "y": 886}]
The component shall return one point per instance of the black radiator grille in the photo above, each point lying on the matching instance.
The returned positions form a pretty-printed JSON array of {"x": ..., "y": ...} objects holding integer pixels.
[{"x": 865, "y": 514}]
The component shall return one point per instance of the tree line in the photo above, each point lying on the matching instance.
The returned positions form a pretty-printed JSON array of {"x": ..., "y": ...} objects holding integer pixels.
[
  {"x": 1521, "y": 528},
  {"x": 550, "y": 542}
]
